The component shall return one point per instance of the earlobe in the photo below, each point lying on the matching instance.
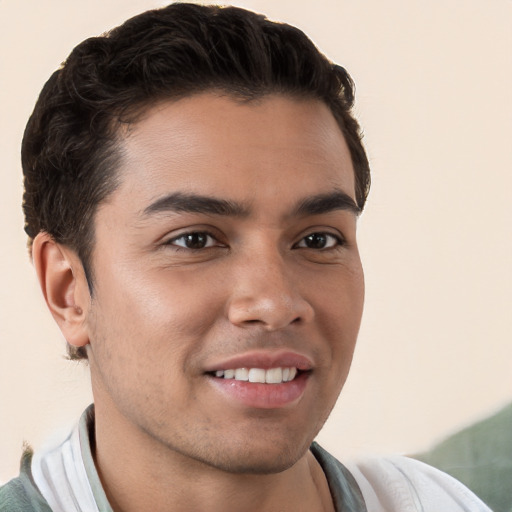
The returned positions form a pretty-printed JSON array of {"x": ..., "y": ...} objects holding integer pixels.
[{"x": 64, "y": 286}]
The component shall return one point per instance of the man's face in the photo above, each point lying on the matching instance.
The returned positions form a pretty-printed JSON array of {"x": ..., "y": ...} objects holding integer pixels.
[{"x": 229, "y": 245}]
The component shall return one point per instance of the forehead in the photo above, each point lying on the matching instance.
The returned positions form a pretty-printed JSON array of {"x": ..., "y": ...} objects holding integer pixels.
[{"x": 221, "y": 146}]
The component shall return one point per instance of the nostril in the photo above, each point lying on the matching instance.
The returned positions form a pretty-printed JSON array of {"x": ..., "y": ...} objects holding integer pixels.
[{"x": 270, "y": 309}]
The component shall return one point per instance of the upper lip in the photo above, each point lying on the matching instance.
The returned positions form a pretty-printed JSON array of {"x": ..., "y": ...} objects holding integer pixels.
[{"x": 263, "y": 359}]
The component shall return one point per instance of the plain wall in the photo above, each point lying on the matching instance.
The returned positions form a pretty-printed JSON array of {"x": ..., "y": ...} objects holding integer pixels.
[{"x": 433, "y": 95}]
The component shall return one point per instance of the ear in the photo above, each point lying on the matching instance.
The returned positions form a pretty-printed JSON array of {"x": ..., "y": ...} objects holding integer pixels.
[{"x": 64, "y": 286}]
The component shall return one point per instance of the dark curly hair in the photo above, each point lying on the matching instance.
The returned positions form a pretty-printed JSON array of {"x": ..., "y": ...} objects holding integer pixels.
[{"x": 70, "y": 150}]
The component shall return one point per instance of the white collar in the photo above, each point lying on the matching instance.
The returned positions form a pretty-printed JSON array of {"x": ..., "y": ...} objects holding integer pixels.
[{"x": 61, "y": 475}]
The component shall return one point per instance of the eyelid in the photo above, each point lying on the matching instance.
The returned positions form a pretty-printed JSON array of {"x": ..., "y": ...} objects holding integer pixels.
[
  {"x": 340, "y": 239},
  {"x": 171, "y": 241}
]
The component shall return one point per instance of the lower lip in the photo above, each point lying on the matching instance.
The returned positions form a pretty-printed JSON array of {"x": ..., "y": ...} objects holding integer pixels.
[{"x": 262, "y": 396}]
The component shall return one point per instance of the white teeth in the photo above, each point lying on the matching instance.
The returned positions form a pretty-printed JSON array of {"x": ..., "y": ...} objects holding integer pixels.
[
  {"x": 241, "y": 374},
  {"x": 257, "y": 375},
  {"x": 274, "y": 376},
  {"x": 270, "y": 376}
]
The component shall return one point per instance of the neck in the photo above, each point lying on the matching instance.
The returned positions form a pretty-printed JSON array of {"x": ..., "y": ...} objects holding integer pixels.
[{"x": 138, "y": 473}]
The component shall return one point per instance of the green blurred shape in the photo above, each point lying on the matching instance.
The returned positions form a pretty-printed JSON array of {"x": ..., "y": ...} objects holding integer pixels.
[{"x": 480, "y": 456}]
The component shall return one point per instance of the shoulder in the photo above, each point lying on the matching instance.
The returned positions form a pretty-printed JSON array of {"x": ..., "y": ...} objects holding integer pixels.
[
  {"x": 21, "y": 494},
  {"x": 407, "y": 485}
]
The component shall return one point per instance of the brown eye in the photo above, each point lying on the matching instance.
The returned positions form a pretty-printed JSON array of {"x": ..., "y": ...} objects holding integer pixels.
[
  {"x": 319, "y": 241},
  {"x": 196, "y": 240}
]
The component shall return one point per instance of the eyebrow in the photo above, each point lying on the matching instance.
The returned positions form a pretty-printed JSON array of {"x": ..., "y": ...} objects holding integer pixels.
[
  {"x": 193, "y": 203},
  {"x": 325, "y": 203}
]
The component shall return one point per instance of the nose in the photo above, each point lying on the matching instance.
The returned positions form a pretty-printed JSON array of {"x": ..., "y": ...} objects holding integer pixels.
[{"x": 266, "y": 292}]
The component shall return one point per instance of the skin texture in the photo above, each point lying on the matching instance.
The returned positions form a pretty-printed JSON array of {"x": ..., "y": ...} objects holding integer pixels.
[{"x": 163, "y": 314}]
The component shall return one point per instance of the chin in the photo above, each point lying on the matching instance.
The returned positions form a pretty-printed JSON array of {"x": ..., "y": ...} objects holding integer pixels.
[
  {"x": 258, "y": 463},
  {"x": 262, "y": 456}
]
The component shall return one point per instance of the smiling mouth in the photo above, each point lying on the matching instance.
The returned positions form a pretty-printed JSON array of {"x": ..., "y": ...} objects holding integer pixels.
[{"x": 259, "y": 375}]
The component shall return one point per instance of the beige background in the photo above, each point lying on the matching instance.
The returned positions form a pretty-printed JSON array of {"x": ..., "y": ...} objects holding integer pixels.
[{"x": 434, "y": 81}]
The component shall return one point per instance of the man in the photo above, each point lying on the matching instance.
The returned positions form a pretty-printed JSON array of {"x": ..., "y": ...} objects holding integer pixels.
[{"x": 193, "y": 181}]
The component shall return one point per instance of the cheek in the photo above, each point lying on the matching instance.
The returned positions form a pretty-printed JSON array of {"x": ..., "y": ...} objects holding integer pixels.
[
  {"x": 338, "y": 314},
  {"x": 147, "y": 329},
  {"x": 160, "y": 313},
  {"x": 183, "y": 304},
  {"x": 340, "y": 298}
]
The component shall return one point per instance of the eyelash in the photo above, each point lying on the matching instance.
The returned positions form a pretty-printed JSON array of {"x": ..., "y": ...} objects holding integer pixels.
[
  {"x": 207, "y": 234},
  {"x": 338, "y": 241}
]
